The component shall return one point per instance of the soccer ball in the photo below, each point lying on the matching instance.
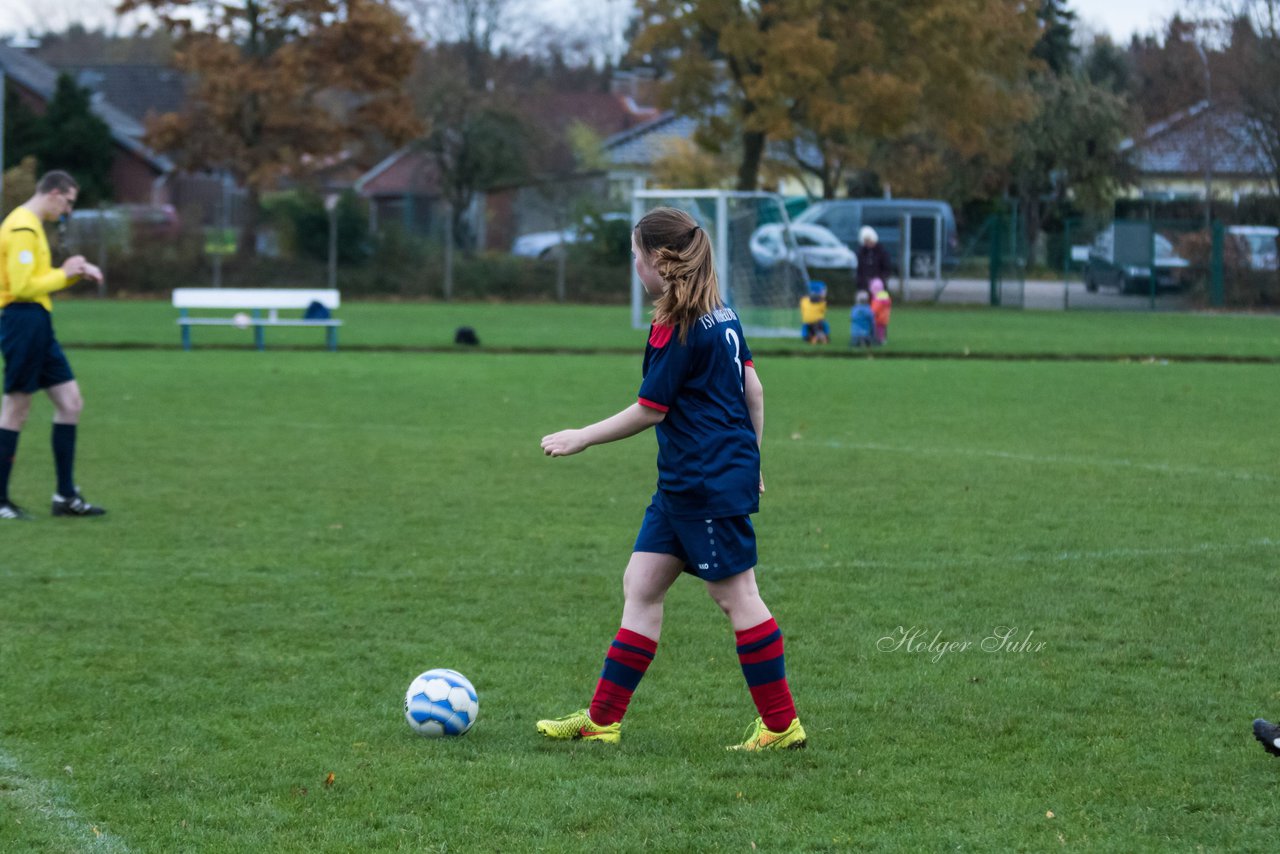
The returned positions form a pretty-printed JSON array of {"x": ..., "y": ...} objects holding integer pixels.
[
  {"x": 241, "y": 320},
  {"x": 441, "y": 702}
]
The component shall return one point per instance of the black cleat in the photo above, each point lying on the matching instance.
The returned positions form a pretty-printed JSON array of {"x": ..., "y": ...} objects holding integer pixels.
[
  {"x": 1269, "y": 734},
  {"x": 75, "y": 506},
  {"x": 9, "y": 510}
]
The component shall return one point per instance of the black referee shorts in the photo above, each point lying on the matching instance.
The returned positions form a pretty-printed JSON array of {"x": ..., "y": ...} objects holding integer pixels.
[{"x": 33, "y": 358}]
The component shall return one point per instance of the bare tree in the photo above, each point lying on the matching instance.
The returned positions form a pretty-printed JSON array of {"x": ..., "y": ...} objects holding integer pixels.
[{"x": 1248, "y": 79}]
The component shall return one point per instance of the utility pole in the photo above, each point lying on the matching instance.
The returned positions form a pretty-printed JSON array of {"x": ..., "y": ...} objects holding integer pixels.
[
  {"x": 4, "y": 88},
  {"x": 1208, "y": 138},
  {"x": 331, "y": 205}
]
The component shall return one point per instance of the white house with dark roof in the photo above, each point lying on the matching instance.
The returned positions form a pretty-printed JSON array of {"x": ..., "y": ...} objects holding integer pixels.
[
  {"x": 633, "y": 152},
  {"x": 1177, "y": 157}
]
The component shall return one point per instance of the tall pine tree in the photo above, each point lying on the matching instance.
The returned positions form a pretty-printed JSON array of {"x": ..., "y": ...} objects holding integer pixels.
[
  {"x": 1057, "y": 26},
  {"x": 1068, "y": 159},
  {"x": 22, "y": 128},
  {"x": 73, "y": 139}
]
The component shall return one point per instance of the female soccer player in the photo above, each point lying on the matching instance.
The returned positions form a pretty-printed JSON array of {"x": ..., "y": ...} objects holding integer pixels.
[{"x": 701, "y": 393}]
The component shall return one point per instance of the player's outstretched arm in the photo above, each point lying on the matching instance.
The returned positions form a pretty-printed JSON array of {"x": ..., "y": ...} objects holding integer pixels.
[
  {"x": 630, "y": 421},
  {"x": 754, "y": 391}
]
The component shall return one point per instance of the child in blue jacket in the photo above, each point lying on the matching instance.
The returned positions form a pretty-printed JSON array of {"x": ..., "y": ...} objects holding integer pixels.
[{"x": 862, "y": 322}]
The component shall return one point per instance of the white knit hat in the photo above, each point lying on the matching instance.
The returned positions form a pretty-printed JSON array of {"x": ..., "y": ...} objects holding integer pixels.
[{"x": 868, "y": 232}]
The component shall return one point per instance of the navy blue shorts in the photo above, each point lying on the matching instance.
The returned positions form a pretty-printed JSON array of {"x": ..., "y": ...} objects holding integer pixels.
[
  {"x": 808, "y": 330},
  {"x": 712, "y": 549},
  {"x": 32, "y": 358}
]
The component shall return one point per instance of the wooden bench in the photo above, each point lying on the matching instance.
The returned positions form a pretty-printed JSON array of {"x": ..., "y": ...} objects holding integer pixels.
[{"x": 256, "y": 301}]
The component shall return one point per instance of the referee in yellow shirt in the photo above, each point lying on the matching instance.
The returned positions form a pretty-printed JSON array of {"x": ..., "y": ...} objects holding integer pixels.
[{"x": 33, "y": 360}]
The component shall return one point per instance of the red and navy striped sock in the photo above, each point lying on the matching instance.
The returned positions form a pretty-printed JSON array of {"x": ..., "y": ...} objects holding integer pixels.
[
  {"x": 760, "y": 654},
  {"x": 628, "y": 658}
]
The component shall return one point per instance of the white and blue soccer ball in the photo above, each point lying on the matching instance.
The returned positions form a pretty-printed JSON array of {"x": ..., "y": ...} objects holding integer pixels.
[{"x": 441, "y": 702}]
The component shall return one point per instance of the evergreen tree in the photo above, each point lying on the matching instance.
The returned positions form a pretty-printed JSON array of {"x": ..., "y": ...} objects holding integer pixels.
[
  {"x": 1068, "y": 159},
  {"x": 1107, "y": 65},
  {"x": 1057, "y": 28},
  {"x": 22, "y": 128},
  {"x": 72, "y": 138}
]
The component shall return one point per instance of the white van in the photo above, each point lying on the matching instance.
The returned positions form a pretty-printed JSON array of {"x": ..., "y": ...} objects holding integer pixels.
[
  {"x": 846, "y": 217},
  {"x": 1258, "y": 243}
]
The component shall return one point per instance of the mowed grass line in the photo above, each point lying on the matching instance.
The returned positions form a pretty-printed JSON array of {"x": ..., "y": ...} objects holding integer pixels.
[
  {"x": 294, "y": 536},
  {"x": 915, "y": 329}
]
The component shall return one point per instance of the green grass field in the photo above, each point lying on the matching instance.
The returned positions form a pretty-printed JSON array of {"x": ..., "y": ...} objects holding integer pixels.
[
  {"x": 294, "y": 535},
  {"x": 914, "y": 330}
]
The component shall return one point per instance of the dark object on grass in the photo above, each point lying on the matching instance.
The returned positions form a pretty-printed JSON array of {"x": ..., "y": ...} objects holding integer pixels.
[
  {"x": 1269, "y": 734},
  {"x": 466, "y": 335}
]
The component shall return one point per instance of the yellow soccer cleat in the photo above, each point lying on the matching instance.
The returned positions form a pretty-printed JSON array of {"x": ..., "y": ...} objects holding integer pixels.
[
  {"x": 760, "y": 737},
  {"x": 579, "y": 726}
]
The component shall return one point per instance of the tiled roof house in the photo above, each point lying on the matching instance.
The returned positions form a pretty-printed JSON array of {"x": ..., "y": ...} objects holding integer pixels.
[
  {"x": 138, "y": 174},
  {"x": 404, "y": 187},
  {"x": 1172, "y": 156}
]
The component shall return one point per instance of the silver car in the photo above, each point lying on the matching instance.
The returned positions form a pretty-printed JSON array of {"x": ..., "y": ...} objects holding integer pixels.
[
  {"x": 547, "y": 244},
  {"x": 814, "y": 245}
]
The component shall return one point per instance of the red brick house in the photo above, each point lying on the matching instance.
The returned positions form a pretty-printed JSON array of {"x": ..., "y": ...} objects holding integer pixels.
[
  {"x": 138, "y": 174},
  {"x": 405, "y": 187}
]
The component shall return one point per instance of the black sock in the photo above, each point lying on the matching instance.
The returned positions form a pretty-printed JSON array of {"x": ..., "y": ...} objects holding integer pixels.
[
  {"x": 8, "y": 449},
  {"x": 64, "y": 457}
]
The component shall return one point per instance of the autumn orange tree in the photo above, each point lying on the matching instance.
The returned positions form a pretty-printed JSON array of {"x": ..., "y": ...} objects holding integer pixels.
[
  {"x": 280, "y": 83},
  {"x": 868, "y": 84},
  {"x": 935, "y": 107},
  {"x": 737, "y": 67}
]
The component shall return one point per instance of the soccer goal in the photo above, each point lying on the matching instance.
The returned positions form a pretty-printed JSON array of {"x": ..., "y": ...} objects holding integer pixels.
[{"x": 761, "y": 271}]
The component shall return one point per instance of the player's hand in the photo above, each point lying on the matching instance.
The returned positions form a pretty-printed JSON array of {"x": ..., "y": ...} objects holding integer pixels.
[
  {"x": 74, "y": 266},
  {"x": 91, "y": 271},
  {"x": 564, "y": 443},
  {"x": 761, "y": 483}
]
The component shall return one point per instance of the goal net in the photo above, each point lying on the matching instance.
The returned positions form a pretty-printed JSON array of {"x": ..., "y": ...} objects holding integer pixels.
[{"x": 762, "y": 274}]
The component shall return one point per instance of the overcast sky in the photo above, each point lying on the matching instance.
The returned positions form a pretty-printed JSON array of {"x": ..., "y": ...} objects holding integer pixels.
[{"x": 1120, "y": 18}]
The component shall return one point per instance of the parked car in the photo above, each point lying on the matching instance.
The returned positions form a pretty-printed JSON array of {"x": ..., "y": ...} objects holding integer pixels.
[
  {"x": 1258, "y": 243},
  {"x": 158, "y": 222},
  {"x": 813, "y": 245},
  {"x": 545, "y": 244},
  {"x": 1104, "y": 270},
  {"x": 125, "y": 221},
  {"x": 95, "y": 226},
  {"x": 846, "y": 217}
]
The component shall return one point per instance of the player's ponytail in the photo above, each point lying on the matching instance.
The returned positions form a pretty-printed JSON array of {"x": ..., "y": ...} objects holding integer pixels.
[{"x": 680, "y": 251}]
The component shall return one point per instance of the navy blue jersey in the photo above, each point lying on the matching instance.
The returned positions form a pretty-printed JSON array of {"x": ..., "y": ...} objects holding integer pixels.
[{"x": 708, "y": 459}]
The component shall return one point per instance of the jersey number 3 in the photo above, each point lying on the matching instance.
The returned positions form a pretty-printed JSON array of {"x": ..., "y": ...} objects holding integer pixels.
[{"x": 732, "y": 337}]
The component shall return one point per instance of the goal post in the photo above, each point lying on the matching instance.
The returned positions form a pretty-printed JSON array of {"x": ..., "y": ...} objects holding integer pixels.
[{"x": 761, "y": 271}]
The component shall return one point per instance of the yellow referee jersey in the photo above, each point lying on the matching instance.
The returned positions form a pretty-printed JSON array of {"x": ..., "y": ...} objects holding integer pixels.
[{"x": 27, "y": 273}]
